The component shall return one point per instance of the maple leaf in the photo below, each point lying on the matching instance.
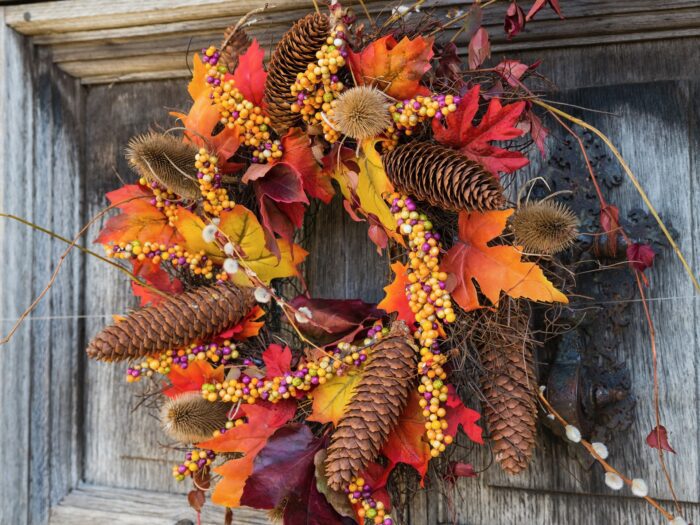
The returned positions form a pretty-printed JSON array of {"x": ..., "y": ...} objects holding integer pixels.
[
  {"x": 460, "y": 415},
  {"x": 192, "y": 378},
  {"x": 139, "y": 220},
  {"x": 394, "y": 67},
  {"x": 154, "y": 275},
  {"x": 334, "y": 320},
  {"x": 395, "y": 299},
  {"x": 658, "y": 438},
  {"x": 498, "y": 123},
  {"x": 247, "y": 328},
  {"x": 284, "y": 471},
  {"x": 331, "y": 399},
  {"x": 299, "y": 156},
  {"x": 203, "y": 117},
  {"x": 495, "y": 268},
  {"x": 248, "y": 439},
  {"x": 277, "y": 360},
  {"x": 640, "y": 256},
  {"x": 250, "y": 75},
  {"x": 242, "y": 228},
  {"x": 363, "y": 182}
]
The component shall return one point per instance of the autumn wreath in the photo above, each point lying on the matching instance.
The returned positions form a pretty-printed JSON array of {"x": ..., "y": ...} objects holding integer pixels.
[{"x": 418, "y": 146}]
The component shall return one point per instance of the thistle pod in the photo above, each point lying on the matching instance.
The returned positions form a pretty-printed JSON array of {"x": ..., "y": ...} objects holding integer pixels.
[
  {"x": 189, "y": 418},
  {"x": 544, "y": 227},
  {"x": 362, "y": 113}
]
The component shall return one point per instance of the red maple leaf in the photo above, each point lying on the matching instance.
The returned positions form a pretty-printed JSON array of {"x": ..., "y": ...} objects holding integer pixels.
[
  {"x": 277, "y": 360},
  {"x": 299, "y": 155},
  {"x": 250, "y": 75},
  {"x": 154, "y": 275},
  {"x": 192, "y": 378},
  {"x": 498, "y": 123},
  {"x": 395, "y": 299},
  {"x": 139, "y": 220},
  {"x": 458, "y": 414},
  {"x": 394, "y": 67}
]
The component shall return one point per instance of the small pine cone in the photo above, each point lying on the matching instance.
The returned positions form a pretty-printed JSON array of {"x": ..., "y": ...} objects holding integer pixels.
[
  {"x": 189, "y": 418},
  {"x": 508, "y": 384},
  {"x": 293, "y": 54},
  {"x": 380, "y": 397},
  {"x": 442, "y": 177},
  {"x": 236, "y": 42},
  {"x": 178, "y": 321}
]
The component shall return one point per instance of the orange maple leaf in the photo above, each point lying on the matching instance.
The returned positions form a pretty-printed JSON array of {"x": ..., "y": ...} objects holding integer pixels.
[
  {"x": 394, "y": 67},
  {"x": 495, "y": 268},
  {"x": 330, "y": 399},
  {"x": 139, "y": 220},
  {"x": 395, "y": 299},
  {"x": 193, "y": 377},
  {"x": 248, "y": 439},
  {"x": 247, "y": 328}
]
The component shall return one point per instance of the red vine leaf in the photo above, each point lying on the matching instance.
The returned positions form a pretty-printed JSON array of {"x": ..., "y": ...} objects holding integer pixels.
[
  {"x": 658, "y": 438},
  {"x": 640, "y": 256},
  {"x": 515, "y": 20},
  {"x": 474, "y": 141},
  {"x": 479, "y": 48},
  {"x": 539, "y": 4}
]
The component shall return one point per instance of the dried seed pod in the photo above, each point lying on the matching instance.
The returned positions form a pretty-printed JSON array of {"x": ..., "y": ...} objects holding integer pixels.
[
  {"x": 179, "y": 320},
  {"x": 544, "y": 227},
  {"x": 294, "y": 52},
  {"x": 362, "y": 113},
  {"x": 379, "y": 398},
  {"x": 442, "y": 177},
  {"x": 189, "y": 418},
  {"x": 166, "y": 160}
]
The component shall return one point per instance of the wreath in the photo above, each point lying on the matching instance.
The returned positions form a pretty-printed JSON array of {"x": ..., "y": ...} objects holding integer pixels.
[{"x": 315, "y": 407}]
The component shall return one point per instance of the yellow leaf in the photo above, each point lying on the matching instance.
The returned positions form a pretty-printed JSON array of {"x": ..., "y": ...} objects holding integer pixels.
[
  {"x": 332, "y": 397},
  {"x": 243, "y": 230}
]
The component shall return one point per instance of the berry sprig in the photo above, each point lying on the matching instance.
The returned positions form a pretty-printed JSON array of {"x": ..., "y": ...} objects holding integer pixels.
[
  {"x": 163, "y": 199},
  {"x": 373, "y": 511},
  {"x": 196, "y": 461},
  {"x": 318, "y": 87},
  {"x": 237, "y": 112},
  {"x": 216, "y": 197},
  {"x": 224, "y": 353},
  {"x": 431, "y": 304},
  {"x": 408, "y": 114}
]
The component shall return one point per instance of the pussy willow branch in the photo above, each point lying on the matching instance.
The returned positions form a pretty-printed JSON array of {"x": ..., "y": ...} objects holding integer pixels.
[
  {"x": 607, "y": 466},
  {"x": 71, "y": 244}
]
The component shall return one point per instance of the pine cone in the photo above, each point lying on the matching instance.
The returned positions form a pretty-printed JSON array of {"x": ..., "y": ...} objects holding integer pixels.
[
  {"x": 380, "y": 397},
  {"x": 293, "y": 54},
  {"x": 508, "y": 384},
  {"x": 236, "y": 42},
  {"x": 443, "y": 177},
  {"x": 176, "y": 322}
]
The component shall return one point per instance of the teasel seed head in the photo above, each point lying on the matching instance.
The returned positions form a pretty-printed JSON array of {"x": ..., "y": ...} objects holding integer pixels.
[
  {"x": 544, "y": 227},
  {"x": 167, "y": 160},
  {"x": 362, "y": 112},
  {"x": 189, "y": 418}
]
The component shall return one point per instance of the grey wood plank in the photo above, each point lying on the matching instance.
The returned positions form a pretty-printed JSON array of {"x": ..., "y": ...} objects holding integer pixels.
[{"x": 90, "y": 503}]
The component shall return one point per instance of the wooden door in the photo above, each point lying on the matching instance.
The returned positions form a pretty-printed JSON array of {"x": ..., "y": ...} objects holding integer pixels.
[{"x": 74, "y": 449}]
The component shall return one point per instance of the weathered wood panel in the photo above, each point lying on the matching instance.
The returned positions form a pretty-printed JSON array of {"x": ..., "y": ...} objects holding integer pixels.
[{"x": 39, "y": 427}]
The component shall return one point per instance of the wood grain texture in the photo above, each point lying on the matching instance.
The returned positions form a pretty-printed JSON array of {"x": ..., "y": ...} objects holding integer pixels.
[
  {"x": 40, "y": 173},
  {"x": 90, "y": 503}
]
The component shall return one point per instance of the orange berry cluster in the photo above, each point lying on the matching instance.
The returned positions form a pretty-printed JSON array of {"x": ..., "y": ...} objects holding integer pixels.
[
  {"x": 237, "y": 112},
  {"x": 431, "y": 304},
  {"x": 407, "y": 115},
  {"x": 216, "y": 197},
  {"x": 317, "y": 88},
  {"x": 373, "y": 511},
  {"x": 163, "y": 199},
  {"x": 224, "y": 353}
]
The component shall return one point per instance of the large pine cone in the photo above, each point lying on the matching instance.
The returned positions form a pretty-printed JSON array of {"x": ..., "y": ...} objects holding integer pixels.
[
  {"x": 293, "y": 54},
  {"x": 443, "y": 177},
  {"x": 178, "y": 321},
  {"x": 508, "y": 384},
  {"x": 379, "y": 399}
]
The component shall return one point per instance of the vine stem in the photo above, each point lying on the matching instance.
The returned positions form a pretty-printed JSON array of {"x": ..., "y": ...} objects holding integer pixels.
[
  {"x": 606, "y": 466},
  {"x": 631, "y": 177}
]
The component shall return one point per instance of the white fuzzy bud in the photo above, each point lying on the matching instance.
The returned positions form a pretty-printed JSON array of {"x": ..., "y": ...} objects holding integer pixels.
[
  {"x": 614, "y": 481},
  {"x": 228, "y": 249},
  {"x": 216, "y": 220},
  {"x": 639, "y": 488},
  {"x": 678, "y": 521},
  {"x": 209, "y": 232},
  {"x": 262, "y": 295},
  {"x": 542, "y": 389},
  {"x": 573, "y": 433},
  {"x": 600, "y": 449},
  {"x": 303, "y": 315},
  {"x": 231, "y": 266}
]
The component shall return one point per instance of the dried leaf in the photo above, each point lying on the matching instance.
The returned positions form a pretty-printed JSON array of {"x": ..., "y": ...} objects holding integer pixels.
[
  {"x": 539, "y": 4},
  {"x": 338, "y": 500},
  {"x": 394, "y": 67},
  {"x": 479, "y": 48},
  {"x": 196, "y": 498},
  {"x": 496, "y": 268},
  {"x": 658, "y": 438},
  {"x": 640, "y": 256},
  {"x": 515, "y": 20}
]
